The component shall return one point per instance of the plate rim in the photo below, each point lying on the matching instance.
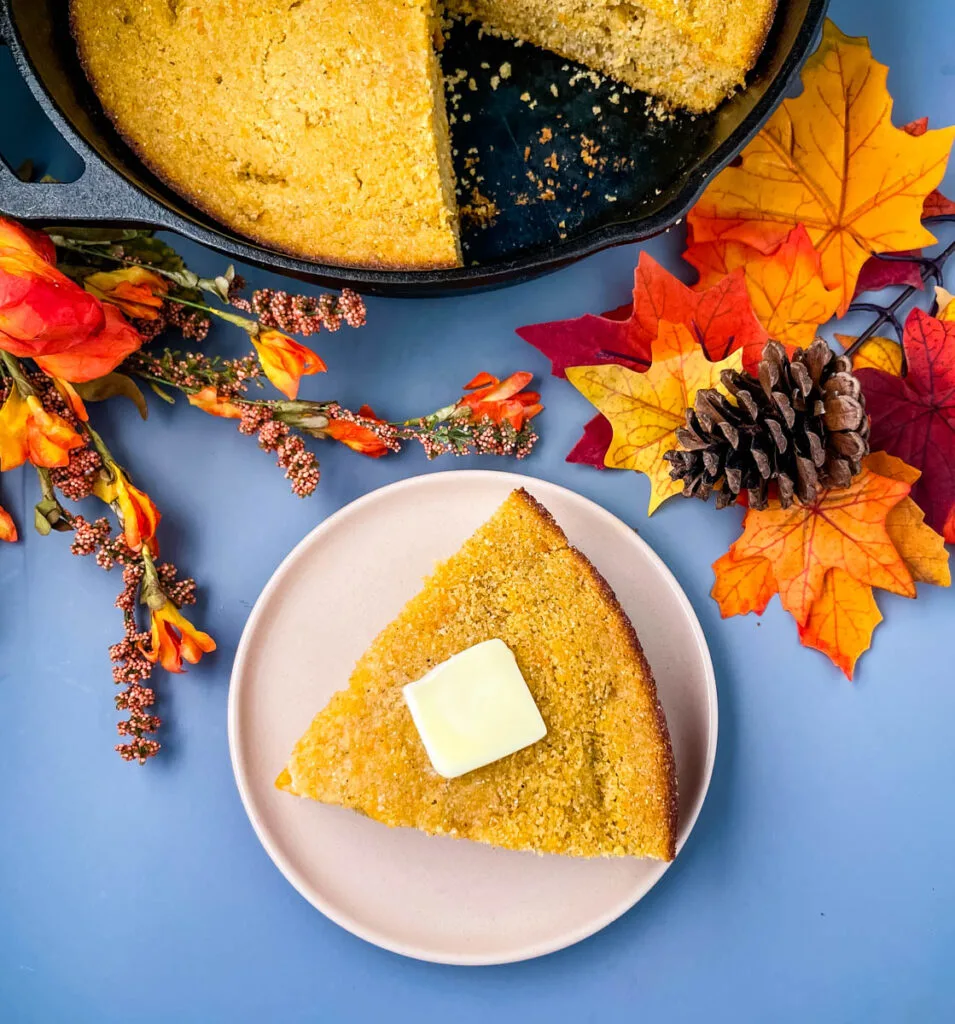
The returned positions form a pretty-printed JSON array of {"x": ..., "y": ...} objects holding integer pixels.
[{"x": 310, "y": 893}]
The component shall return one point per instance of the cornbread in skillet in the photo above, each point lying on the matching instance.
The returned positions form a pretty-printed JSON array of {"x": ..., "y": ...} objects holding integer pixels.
[
  {"x": 600, "y": 783},
  {"x": 693, "y": 53},
  {"x": 316, "y": 127}
]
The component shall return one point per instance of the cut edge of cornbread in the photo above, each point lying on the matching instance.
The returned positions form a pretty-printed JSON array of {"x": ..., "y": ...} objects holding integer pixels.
[{"x": 330, "y": 762}]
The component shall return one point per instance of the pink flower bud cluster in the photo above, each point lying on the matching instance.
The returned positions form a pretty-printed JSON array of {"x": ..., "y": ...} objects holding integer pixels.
[{"x": 304, "y": 314}]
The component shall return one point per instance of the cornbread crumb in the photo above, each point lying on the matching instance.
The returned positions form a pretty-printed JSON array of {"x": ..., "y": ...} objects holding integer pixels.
[
  {"x": 480, "y": 211},
  {"x": 600, "y": 783}
]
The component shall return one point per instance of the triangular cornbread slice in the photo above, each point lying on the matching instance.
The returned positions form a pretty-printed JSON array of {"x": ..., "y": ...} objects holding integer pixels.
[{"x": 602, "y": 780}]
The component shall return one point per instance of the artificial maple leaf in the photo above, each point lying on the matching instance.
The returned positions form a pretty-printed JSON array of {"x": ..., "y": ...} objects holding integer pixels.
[
  {"x": 878, "y": 273},
  {"x": 841, "y": 622},
  {"x": 946, "y": 304},
  {"x": 592, "y": 448},
  {"x": 936, "y": 204},
  {"x": 832, "y": 160},
  {"x": 645, "y": 409},
  {"x": 785, "y": 287},
  {"x": 913, "y": 416},
  {"x": 875, "y": 353},
  {"x": 844, "y": 529},
  {"x": 743, "y": 585},
  {"x": 921, "y": 548},
  {"x": 720, "y": 318},
  {"x": 841, "y": 615}
]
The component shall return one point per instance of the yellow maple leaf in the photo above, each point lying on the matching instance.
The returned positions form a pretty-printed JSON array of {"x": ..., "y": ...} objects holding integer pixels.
[
  {"x": 645, "y": 409},
  {"x": 922, "y": 549},
  {"x": 875, "y": 353},
  {"x": 789, "y": 296},
  {"x": 830, "y": 159},
  {"x": 946, "y": 305}
]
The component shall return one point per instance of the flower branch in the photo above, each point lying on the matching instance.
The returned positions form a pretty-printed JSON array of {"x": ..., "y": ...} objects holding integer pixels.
[{"x": 80, "y": 311}]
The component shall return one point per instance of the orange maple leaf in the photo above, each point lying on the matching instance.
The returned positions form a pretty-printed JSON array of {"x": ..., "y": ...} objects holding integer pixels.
[
  {"x": 789, "y": 296},
  {"x": 825, "y": 559},
  {"x": 841, "y": 622},
  {"x": 830, "y": 159},
  {"x": 645, "y": 409}
]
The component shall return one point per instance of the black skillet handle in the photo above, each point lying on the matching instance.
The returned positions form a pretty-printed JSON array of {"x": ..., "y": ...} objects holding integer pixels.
[{"x": 99, "y": 193}]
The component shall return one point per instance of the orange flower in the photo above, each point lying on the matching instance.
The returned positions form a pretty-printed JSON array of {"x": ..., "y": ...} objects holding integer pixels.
[
  {"x": 357, "y": 436},
  {"x": 285, "y": 361},
  {"x": 46, "y": 316},
  {"x": 8, "y": 529},
  {"x": 40, "y": 308},
  {"x": 501, "y": 401},
  {"x": 99, "y": 355},
  {"x": 72, "y": 398},
  {"x": 173, "y": 638},
  {"x": 209, "y": 400},
  {"x": 136, "y": 291},
  {"x": 30, "y": 432},
  {"x": 135, "y": 508}
]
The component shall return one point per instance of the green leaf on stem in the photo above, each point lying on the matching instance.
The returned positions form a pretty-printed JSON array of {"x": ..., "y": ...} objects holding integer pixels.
[
  {"x": 113, "y": 385},
  {"x": 164, "y": 395},
  {"x": 48, "y": 514}
]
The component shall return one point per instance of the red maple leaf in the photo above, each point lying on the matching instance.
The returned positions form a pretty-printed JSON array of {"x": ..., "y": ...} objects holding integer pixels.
[
  {"x": 878, "y": 273},
  {"x": 591, "y": 449},
  {"x": 720, "y": 318},
  {"x": 913, "y": 417}
]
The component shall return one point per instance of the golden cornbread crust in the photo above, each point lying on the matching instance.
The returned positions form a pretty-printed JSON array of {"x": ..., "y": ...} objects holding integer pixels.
[
  {"x": 601, "y": 783},
  {"x": 315, "y": 127}
]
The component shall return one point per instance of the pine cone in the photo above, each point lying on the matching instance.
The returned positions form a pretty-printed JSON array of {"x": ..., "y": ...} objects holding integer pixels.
[{"x": 802, "y": 423}]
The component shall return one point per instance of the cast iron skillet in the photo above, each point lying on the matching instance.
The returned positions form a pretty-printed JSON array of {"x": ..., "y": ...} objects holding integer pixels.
[{"x": 624, "y": 175}]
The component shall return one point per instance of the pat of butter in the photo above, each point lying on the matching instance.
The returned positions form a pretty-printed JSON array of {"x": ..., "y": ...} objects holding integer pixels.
[{"x": 473, "y": 709}]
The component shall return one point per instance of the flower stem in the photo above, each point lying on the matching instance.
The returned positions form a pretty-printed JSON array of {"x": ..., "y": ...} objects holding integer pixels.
[
  {"x": 250, "y": 326},
  {"x": 183, "y": 278},
  {"x": 99, "y": 444},
  {"x": 15, "y": 370}
]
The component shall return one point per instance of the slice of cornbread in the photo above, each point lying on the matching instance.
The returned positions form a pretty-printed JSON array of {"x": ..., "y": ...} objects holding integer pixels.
[
  {"x": 691, "y": 52},
  {"x": 316, "y": 127},
  {"x": 600, "y": 783}
]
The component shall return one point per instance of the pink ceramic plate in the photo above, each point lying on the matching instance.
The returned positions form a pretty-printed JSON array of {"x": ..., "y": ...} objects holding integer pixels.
[{"x": 442, "y": 899}]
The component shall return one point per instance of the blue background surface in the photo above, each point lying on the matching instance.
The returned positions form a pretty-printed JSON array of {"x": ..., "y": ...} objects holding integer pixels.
[{"x": 818, "y": 884}]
